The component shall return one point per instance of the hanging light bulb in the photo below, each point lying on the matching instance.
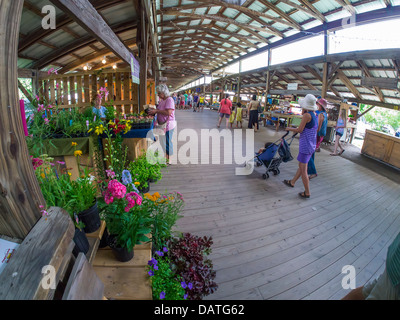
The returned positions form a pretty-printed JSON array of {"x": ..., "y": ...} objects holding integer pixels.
[
  {"x": 85, "y": 67},
  {"x": 104, "y": 61},
  {"x": 114, "y": 66}
]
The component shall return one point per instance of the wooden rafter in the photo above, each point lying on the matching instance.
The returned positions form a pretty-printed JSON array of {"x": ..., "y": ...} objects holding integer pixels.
[
  {"x": 320, "y": 16},
  {"x": 62, "y": 20},
  {"x": 83, "y": 13},
  {"x": 293, "y": 23},
  {"x": 248, "y": 28}
]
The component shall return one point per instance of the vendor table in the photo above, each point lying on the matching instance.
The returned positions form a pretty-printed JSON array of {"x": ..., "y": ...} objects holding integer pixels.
[{"x": 287, "y": 117}]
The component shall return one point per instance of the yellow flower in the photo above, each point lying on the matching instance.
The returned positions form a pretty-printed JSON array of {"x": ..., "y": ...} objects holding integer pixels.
[
  {"x": 99, "y": 130},
  {"x": 69, "y": 173},
  {"x": 138, "y": 184},
  {"x": 90, "y": 130},
  {"x": 156, "y": 195},
  {"x": 77, "y": 153},
  {"x": 74, "y": 144},
  {"x": 42, "y": 175}
]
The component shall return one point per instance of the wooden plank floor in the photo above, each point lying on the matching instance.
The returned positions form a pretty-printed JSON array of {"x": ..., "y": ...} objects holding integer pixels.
[{"x": 268, "y": 242}]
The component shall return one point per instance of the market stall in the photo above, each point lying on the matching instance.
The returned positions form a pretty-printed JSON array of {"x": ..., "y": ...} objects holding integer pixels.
[{"x": 382, "y": 146}]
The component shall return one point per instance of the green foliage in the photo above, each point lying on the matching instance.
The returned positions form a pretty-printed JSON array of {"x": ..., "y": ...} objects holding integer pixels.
[
  {"x": 378, "y": 117},
  {"x": 165, "y": 283},
  {"x": 164, "y": 211}
]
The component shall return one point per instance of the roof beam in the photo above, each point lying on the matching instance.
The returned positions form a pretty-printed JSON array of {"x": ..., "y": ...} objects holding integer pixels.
[
  {"x": 320, "y": 16},
  {"x": 83, "y": 13},
  {"x": 250, "y": 13},
  {"x": 62, "y": 21},
  {"x": 293, "y": 23},
  {"x": 246, "y": 27}
]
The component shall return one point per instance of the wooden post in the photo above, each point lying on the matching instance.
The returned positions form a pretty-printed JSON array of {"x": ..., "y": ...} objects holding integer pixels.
[
  {"x": 20, "y": 194},
  {"x": 142, "y": 42}
]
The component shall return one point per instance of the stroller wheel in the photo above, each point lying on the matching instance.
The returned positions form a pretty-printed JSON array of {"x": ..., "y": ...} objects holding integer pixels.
[
  {"x": 275, "y": 172},
  {"x": 265, "y": 176}
]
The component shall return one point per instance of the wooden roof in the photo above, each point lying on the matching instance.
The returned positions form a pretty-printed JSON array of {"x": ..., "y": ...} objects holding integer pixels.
[{"x": 191, "y": 39}]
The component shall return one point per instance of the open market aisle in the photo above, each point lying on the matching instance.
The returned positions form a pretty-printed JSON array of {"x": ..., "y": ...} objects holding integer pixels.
[{"x": 268, "y": 242}]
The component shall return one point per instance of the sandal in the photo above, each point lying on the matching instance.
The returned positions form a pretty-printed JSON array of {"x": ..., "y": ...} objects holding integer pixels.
[
  {"x": 340, "y": 153},
  {"x": 303, "y": 195},
  {"x": 312, "y": 176},
  {"x": 288, "y": 183}
]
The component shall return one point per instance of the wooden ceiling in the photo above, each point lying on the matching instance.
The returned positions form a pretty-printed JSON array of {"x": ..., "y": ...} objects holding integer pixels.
[{"x": 196, "y": 38}]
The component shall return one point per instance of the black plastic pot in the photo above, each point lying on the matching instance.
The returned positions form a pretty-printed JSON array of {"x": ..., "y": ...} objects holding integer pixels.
[
  {"x": 121, "y": 254},
  {"x": 104, "y": 239},
  {"x": 90, "y": 218},
  {"x": 81, "y": 242},
  {"x": 145, "y": 190}
]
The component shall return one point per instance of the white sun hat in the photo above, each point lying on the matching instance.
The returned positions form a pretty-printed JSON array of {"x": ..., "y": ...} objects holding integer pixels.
[{"x": 309, "y": 102}]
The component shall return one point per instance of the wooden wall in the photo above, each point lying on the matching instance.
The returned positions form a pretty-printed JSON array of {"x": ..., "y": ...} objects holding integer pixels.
[{"x": 77, "y": 89}]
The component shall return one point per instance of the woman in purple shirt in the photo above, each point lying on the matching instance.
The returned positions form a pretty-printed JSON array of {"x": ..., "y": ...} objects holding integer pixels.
[
  {"x": 165, "y": 117},
  {"x": 308, "y": 138}
]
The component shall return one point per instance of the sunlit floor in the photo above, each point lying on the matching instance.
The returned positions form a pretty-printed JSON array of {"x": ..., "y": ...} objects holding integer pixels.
[{"x": 268, "y": 242}]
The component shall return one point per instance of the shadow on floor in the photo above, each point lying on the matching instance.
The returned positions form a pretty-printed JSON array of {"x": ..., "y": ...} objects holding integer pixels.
[{"x": 354, "y": 154}]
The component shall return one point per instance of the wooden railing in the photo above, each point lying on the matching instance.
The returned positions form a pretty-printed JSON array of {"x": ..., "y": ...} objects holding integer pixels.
[{"x": 77, "y": 89}]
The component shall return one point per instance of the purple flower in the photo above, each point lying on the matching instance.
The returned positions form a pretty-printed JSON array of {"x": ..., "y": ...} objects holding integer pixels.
[
  {"x": 162, "y": 295},
  {"x": 190, "y": 286},
  {"x": 165, "y": 249},
  {"x": 152, "y": 262},
  {"x": 183, "y": 284},
  {"x": 155, "y": 267},
  {"x": 185, "y": 296},
  {"x": 126, "y": 177},
  {"x": 159, "y": 253},
  {"x": 151, "y": 273}
]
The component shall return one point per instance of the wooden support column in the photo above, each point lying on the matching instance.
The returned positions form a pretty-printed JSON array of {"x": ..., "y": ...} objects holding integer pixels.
[
  {"x": 142, "y": 43},
  {"x": 20, "y": 194},
  {"x": 325, "y": 71}
]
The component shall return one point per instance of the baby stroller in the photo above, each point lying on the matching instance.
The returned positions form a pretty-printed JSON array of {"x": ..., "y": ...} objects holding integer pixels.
[{"x": 274, "y": 154}]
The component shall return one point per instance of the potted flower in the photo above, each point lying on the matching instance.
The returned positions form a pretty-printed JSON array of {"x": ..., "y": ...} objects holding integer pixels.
[
  {"x": 56, "y": 186},
  {"x": 82, "y": 197},
  {"x": 127, "y": 221},
  {"x": 189, "y": 258},
  {"x": 139, "y": 170},
  {"x": 165, "y": 282},
  {"x": 164, "y": 211}
]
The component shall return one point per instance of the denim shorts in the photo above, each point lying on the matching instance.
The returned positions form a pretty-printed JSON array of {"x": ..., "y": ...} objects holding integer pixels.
[
  {"x": 381, "y": 289},
  {"x": 226, "y": 115}
]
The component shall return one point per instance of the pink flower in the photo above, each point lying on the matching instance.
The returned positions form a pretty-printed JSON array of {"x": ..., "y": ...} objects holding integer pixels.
[
  {"x": 117, "y": 189},
  {"x": 46, "y": 121},
  {"x": 107, "y": 197},
  {"x": 36, "y": 162},
  {"x": 110, "y": 174}
]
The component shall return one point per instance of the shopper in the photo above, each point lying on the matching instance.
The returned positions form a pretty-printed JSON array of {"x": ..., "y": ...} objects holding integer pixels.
[
  {"x": 224, "y": 110},
  {"x": 341, "y": 124},
  {"x": 322, "y": 126},
  {"x": 166, "y": 118},
  {"x": 253, "y": 113},
  {"x": 98, "y": 109},
  {"x": 308, "y": 132},
  {"x": 239, "y": 112}
]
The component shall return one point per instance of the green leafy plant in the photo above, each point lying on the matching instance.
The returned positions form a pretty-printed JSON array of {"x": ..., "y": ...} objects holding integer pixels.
[
  {"x": 165, "y": 283},
  {"x": 188, "y": 256},
  {"x": 164, "y": 210},
  {"x": 125, "y": 216},
  {"x": 139, "y": 170}
]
